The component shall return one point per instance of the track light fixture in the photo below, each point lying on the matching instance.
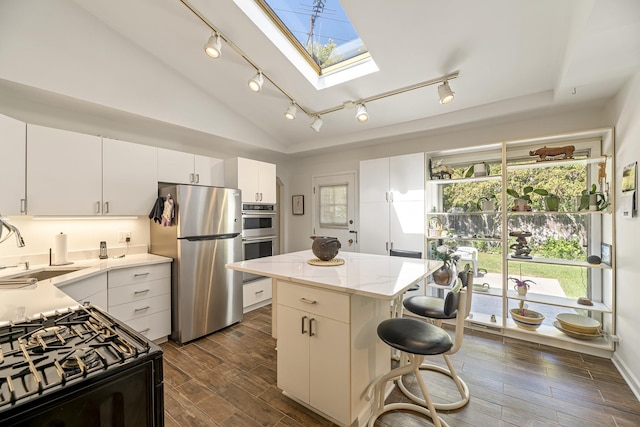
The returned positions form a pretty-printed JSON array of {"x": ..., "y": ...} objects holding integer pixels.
[
  {"x": 445, "y": 93},
  {"x": 362, "y": 115},
  {"x": 316, "y": 124},
  {"x": 291, "y": 111},
  {"x": 255, "y": 83},
  {"x": 213, "y": 47}
]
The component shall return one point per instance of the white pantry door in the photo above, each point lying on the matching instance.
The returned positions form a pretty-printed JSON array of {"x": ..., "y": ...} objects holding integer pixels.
[{"x": 334, "y": 208}]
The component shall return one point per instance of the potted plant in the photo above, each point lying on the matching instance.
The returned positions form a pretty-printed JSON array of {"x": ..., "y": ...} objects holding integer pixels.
[
  {"x": 521, "y": 286},
  {"x": 487, "y": 203},
  {"x": 445, "y": 274},
  {"x": 552, "y": 203},
  {"x": 592, "y": 199},
  {"x": 522, "y": 200}
]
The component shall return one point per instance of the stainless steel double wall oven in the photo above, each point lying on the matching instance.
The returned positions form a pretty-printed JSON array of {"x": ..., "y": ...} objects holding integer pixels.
[{"x": 259, "y": 233}]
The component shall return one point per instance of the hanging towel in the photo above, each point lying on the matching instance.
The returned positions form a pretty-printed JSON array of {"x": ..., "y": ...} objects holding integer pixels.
[
  {"x": 156, "y": 211},
  {"x": 167, "y": 212}
]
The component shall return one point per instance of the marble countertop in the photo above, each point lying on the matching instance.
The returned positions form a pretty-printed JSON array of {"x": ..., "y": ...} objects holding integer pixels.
[
  {"x": 377, "y": 276},
  {"x": 45, "y": 297}
]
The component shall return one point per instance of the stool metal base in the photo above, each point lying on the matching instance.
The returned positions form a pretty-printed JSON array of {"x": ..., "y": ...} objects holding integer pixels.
[
  {"x": 379, "y": 408},
  {"x": 451, "y": 372}
]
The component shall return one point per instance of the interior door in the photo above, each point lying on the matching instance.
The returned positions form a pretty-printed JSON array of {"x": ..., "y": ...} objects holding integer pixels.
[{"x": 334, "y": 208}]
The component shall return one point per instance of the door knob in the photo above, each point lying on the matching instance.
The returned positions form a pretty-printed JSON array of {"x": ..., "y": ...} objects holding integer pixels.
[{"x": 351, "y": 241}]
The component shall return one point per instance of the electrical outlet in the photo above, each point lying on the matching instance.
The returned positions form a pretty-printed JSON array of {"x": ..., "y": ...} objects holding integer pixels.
[{"x": 123, "y": 236}]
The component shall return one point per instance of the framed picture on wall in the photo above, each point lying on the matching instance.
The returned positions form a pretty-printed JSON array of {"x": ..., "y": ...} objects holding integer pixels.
[{"x": 297, "y": 203}]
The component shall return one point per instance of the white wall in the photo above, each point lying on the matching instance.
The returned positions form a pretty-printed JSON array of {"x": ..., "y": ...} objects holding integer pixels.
[{"x": 625, "y": 110}]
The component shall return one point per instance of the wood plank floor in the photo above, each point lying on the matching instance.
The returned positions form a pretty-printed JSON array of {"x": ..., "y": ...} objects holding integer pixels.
[{"x": 229, "y": 379}]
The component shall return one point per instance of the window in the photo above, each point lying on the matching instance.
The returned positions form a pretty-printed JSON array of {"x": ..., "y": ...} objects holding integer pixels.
[
  {"x": 320, "y": 30},
  {"x": 333, "y": 206}
]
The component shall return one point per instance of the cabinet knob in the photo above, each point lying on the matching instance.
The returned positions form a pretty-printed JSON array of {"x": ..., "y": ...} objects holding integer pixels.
[
  {"x": 98, "y": 207},
  {"x": 303, "y": 330},
  {"x": 105, "y": 208},
  {"x": 23, "y": 205},
  {"x": 141, "y": 309}
]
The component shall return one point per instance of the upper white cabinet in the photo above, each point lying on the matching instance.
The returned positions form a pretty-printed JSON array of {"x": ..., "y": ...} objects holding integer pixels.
[
  {"x": 129, "y": 178},
  {"x": 392, "y": 204},
  {"x": 63, "y": 173},
  {"x": 186, "y": 168},
  {"x": 256, "y": 179},
  {"x": 12, "y": 173}
]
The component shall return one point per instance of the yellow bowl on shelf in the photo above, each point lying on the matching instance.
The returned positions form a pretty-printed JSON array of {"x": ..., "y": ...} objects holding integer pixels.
[
  {"x": 527, "y": 319},
  {"x": 578, "y": 323}
]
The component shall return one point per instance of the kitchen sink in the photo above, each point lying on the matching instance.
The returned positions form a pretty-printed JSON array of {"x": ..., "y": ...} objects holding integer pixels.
[{"x": 46, "y": 273}]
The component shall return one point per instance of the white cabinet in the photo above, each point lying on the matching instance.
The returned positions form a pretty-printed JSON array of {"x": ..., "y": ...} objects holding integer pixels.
[
  {"x": 12, "y": 172},
  {"x": 256, "y": 294},
  {"x": 328, "y": 349},
  {"x": 313, "y": 332},
  {"x": 129, "y": 178},
  {"x": 63, "y": 172},
  {"x": 90, "y": 290},
  {"x": 141, "y": 298},
  {"x": 256, "y": 179},
  {"x": 392, "y": 204},
  {"x": 185, "y": 168},
  {"x": 70, "y": 173}
]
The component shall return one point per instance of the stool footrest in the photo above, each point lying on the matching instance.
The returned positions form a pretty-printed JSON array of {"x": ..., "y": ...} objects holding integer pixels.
[{"x": 460, "y": 384}]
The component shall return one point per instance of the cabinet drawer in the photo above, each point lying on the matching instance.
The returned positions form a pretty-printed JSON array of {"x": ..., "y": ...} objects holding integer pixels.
[
  {"x": 314, "y": 300},
  {"x": 138, "y": 291},
  {"x": 144, "y": 307},
  {"x": 144, "y": 273},
  {"x": 256, "y": 292},
  {"x": 154, "y": 326},
  {"x": 85, "y": 289}
]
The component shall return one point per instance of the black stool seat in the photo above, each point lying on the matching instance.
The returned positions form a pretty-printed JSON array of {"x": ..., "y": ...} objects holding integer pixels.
[
  {"x": 414, "y": 336},
  {"x": 432, "y": 307}
]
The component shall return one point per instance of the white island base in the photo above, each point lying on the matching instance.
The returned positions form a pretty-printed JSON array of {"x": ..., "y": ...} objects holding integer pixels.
[{"x": 325, "y": 321}]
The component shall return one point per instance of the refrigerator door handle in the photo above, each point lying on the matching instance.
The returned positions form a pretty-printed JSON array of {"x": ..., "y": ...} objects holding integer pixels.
[{"x": 212, "y": 237}]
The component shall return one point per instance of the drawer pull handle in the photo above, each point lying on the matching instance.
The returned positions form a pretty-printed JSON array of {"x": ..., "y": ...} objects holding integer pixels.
[
  {"x": 311, "y": 322},
  {"x": 141, "y": 292},
  {"x": 308, "y": 301},
  {"x": 141, "y": 274},
  {"x": 144, "y": 331},
  {"x": 141, "y": 309},
  {"x": 303, "y": 330},
  {"x": 260, "y": 291}
]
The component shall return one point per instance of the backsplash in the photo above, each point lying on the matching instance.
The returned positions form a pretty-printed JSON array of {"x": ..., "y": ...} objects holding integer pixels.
[{"x": 83, "y": 236}]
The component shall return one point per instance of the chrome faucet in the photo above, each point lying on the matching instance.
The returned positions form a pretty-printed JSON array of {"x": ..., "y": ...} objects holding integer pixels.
[{"x": 12, "y": 229}]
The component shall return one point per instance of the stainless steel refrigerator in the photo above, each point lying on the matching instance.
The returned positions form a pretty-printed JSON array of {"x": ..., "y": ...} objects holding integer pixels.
[{"x": 204, "y": 235}]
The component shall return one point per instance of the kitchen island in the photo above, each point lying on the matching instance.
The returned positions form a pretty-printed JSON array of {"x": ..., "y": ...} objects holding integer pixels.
[{"x": 325, "y": 321}]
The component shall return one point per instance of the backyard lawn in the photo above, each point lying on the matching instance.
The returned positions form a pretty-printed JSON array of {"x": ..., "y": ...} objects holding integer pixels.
[{"x": 573, "y": 280}]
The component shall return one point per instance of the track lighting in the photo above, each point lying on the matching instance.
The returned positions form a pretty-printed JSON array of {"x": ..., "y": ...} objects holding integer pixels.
[
  {"x": 255, "y": 84},
  {"x": 291, "y": 111},
  {"x": 316, "y": 124},
  {"x": 362, "y": 115},
  {"x": 445, "y": 93},
  {"x": 213, "y": 47}
]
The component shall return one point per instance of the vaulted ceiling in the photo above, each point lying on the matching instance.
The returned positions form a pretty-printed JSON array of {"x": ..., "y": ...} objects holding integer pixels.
[{"x": 512, "y": 57}]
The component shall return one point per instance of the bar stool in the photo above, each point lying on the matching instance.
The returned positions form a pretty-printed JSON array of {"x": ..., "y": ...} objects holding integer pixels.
[
  {"x": 435, "y": 310},
  {"x": 416, "y": 339}
]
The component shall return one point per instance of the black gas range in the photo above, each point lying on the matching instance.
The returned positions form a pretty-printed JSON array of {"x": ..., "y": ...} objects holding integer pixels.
[{"x": 81, "y": 367}]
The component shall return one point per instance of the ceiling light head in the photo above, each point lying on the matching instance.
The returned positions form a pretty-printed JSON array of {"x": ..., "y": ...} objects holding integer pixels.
[
  {"x": 316, "y": 124},
  {"x": 255, "y": 83},
  {"x": 213, "y": 47},
  {"x": 362, "y": 115},
  {"x": 291, "y": 111},
  {"x": 445, "y": 93}
]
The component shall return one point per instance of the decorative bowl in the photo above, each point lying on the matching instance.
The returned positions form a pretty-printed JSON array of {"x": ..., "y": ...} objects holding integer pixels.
[
  {"x": 527, "y": 319},
  {"x": 578, "y": 323},
  {"x": 325, "y": 248}
]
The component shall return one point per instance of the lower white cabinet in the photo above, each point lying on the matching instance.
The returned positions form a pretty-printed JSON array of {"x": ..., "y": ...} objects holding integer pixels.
[
  {"x": 313, "y": 332},
  {"x": 141, "y": 298},
  {"x": 256, "y": 294},
  {"x": 328, "y": 349},
  {"x": 90, "y": 290}
]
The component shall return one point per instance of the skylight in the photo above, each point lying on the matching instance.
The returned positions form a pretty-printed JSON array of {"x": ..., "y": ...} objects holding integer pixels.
[{"x": 320, "y": 30}]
